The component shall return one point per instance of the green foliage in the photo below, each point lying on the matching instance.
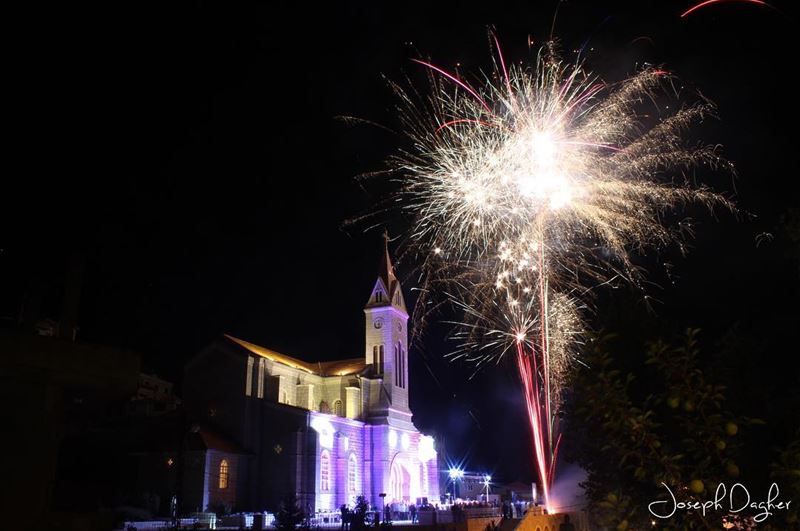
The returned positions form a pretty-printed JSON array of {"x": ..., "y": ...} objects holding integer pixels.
[
  {"x": 289, "y": 515},
  {"x": 671, "y": 428},
  {"x": 786, "y": 472}
]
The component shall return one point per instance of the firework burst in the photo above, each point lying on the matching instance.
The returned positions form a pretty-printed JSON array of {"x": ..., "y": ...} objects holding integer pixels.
[{"x": 526, "y": 189}]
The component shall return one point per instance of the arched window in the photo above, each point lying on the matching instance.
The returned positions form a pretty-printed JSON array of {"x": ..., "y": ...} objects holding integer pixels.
[
  {"x": 324, "y": 471},
  {"x": 338, "y": 410},
  {"x": 352, "y": 474},
  {"x": 223, "y": 474}
]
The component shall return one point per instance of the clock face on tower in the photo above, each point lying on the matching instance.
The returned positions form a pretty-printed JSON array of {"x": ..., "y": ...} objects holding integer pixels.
[{"x": 378, "y": 323}]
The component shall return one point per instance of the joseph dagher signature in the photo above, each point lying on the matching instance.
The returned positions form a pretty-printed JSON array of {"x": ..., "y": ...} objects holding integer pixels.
[{"x": 735, "y": 500}]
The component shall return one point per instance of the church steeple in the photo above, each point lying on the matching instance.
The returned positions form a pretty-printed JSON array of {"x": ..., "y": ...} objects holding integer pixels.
[
  {"x": 386, "y": 271},
  {"x": 387, "y": 290},
  {"x": 386, "y": 342}
]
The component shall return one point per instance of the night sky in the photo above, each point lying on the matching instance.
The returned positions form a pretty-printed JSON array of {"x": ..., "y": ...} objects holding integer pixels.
[{"x": 191, "y": 153}]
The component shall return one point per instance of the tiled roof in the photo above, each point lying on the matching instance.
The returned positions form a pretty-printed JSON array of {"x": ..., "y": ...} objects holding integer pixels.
[{"x": 202, "y": 438}]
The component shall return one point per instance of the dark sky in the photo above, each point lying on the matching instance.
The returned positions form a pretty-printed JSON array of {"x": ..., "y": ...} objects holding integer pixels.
[{"x": 190, "y": 152}]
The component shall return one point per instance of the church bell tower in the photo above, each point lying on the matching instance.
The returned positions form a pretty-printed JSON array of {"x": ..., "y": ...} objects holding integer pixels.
[{"x": 387, "y": 336}]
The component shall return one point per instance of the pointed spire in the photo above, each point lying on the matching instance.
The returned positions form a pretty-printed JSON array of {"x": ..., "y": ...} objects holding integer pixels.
[
  {"x": 387, "y": 269},
  {"x": 387, "y": 290}
]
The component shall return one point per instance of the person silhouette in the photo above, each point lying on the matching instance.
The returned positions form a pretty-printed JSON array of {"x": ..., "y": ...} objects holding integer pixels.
[{"x": 566, "y": 525}]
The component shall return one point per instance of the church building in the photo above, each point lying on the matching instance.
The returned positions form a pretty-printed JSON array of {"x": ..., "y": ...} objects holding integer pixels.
[{"x": 267, "y": 424}]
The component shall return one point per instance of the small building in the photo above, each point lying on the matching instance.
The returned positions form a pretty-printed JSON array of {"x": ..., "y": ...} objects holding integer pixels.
[
  {"x": 466, "y": 485},
  {"x": 154, "y": 396}
]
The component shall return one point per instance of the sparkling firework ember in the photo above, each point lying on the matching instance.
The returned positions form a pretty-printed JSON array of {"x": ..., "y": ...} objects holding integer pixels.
[{"x": 527, "y": 188}]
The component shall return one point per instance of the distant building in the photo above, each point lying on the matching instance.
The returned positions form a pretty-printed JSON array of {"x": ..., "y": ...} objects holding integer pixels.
[
  {"x": 519, "y": 491},
  {"x": 154, "y": 396},
  {"x": 467, "y": 486},
  {"x": 56, "y": 394},
  {"x": 326, "y": 432}
]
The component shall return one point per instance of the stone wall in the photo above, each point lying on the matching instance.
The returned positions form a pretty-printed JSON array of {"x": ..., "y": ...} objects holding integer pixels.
[{"x": 551, "y": 522}]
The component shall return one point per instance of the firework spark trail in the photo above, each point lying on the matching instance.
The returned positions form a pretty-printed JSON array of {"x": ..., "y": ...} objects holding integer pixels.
[
  {"x": 530, "y": 187},
  {"x": 701, "y": 5}
]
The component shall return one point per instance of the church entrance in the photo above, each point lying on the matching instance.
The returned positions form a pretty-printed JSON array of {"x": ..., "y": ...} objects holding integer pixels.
[{"x": 399, "y": 483}]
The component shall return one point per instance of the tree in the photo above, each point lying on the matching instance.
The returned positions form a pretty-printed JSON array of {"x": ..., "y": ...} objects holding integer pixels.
[
  {"x": 635, "y": 436},
  {"x": 289, "y": 515},
  {"x": 359, "y": 514},
  {"x": 786, "y": 471}
]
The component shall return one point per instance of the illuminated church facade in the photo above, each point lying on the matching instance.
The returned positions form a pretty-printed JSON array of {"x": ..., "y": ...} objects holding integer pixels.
[{"x": 267, "y": 425}]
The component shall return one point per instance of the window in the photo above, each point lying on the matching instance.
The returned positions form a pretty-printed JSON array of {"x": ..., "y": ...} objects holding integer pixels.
[
  {"x": 223, "y": 474},
  {"x": 405, "y": 369},
  {"x": 375, "y": 354},
  {"x": 400, "y": 366},
  {"x": 380, "y": 359},
  {"x": 324, "y": 471},
  {"x": 398, "y": 369},
  {"x": 337, "y": 408},
  {"x": 248, "y": 386},
  {"x": 261, "y": 370},
  {"x": 378, "y": 296},
  {"x": 352, "y": 474}
]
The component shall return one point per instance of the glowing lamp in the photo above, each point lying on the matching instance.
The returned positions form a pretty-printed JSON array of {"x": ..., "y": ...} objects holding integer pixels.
[
  {"x": 325, "y": 430},
  {"x": 426, "y": 449},
  {"x": 456, "y": 473}
]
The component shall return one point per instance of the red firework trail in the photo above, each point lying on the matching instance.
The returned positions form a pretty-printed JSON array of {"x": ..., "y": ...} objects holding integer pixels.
[
  {"x": 533, "y": 389},
  {"x": 711, "y": 2},
  {"x": 457, "y": 81},
  {"x": 534, "y": 372}
]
